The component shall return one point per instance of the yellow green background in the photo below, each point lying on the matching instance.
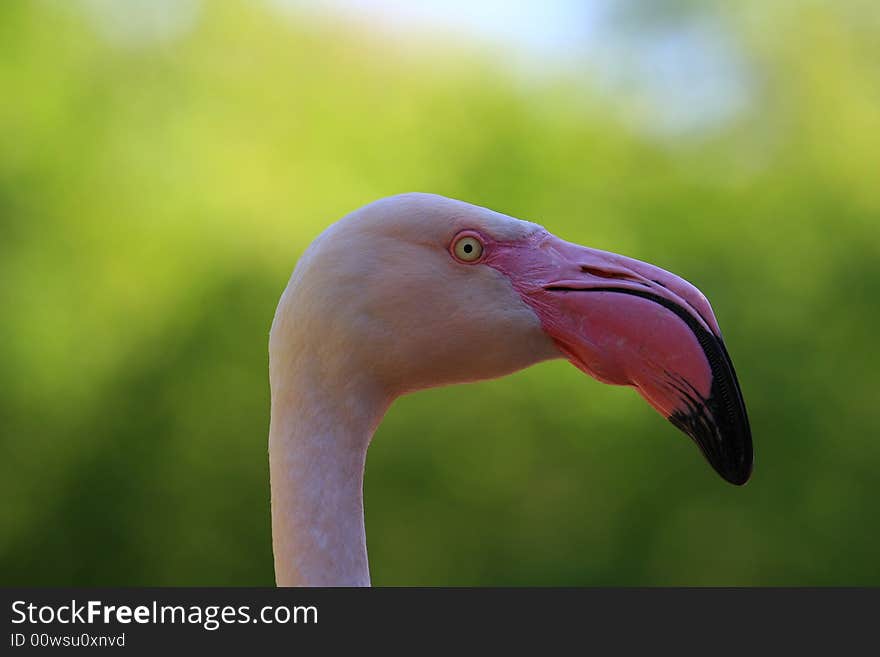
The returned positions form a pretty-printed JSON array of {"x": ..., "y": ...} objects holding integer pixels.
[{"x": 155, "y": 195}]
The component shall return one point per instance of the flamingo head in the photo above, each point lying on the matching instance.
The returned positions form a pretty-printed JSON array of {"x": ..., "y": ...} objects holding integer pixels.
[{"x": 418, "y": 290}]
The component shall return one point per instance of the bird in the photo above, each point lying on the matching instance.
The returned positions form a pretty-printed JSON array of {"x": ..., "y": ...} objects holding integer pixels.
[{"x": 417, "y": 290}]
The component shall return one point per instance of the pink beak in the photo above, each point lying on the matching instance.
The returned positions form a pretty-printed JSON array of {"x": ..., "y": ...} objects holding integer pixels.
[{"x": 626, "y": 322}]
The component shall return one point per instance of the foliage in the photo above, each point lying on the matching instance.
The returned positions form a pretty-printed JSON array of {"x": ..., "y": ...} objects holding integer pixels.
[{"x": 153, "y": 200}]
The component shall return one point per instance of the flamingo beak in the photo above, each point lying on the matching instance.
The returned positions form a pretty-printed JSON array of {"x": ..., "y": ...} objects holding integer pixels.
[{"x": 626, "y": 322}]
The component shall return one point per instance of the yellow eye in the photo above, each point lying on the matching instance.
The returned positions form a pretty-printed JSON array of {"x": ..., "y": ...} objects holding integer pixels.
[{"x": 468, "y": 248}]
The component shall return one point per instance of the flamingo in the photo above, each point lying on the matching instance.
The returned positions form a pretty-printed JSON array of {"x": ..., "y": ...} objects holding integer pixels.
[{"x": 418, "y": 290}]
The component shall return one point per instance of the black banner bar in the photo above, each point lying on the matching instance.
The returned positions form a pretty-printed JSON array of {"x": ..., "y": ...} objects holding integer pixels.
[{"x": 239, "y": 619}]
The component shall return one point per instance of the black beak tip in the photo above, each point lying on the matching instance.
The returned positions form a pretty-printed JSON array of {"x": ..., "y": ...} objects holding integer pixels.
[
  {"x": 737, "y": 474},
  {"x": 726, "y": 444},
  {"x": 720, "y": 424}
]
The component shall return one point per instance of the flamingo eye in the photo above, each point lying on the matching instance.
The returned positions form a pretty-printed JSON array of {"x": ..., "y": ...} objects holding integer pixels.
[{"x": 468, "y": 248}]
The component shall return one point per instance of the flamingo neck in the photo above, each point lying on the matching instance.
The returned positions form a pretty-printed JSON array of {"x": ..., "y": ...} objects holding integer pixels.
[{"x": 318, "y": 439}]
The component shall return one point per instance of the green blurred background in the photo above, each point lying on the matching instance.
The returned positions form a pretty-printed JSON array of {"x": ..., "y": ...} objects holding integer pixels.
[{"x": 162, "y": 166}]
